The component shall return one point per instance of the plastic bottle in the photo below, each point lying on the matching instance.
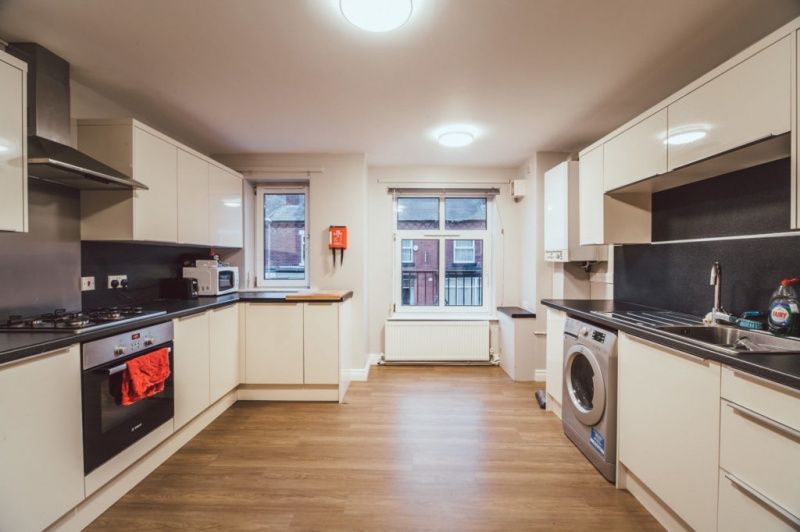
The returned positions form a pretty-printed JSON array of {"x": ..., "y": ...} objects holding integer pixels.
[{"x": 784, "y": 308}]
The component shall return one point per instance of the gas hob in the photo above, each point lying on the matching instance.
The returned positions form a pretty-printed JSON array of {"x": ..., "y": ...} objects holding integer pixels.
[{"x": 78, "y": 321}]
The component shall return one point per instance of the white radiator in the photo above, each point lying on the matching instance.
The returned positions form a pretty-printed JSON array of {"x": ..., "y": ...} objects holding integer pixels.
[{"x": 437, "y": 341}]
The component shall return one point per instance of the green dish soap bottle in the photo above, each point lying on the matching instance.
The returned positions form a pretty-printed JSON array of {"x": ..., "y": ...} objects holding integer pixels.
[{"x": 784, "y": 309}]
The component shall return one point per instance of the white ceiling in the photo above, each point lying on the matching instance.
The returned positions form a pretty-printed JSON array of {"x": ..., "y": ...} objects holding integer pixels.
[{"x": 240, "y": 76}]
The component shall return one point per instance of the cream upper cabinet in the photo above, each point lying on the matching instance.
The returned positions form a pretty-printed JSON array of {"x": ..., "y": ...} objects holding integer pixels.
[
  {"x": 605, "y": 218},
  {"x": 224, "y": 343},
  {"x": 193, "y": 200},
  {"x": 590, "y": 197},
  {"x": 155, "y": 163},
  {"x": 225, "y": 208},
  {"x": 41, "y": 440},
  {"x": 749, "y": 102},
  {"x": 669, "y": 427},
  {"x": 13, "y": 144},
  {"x": 562, "y": 217},
  {"x": 637, "y": 153},
  {"x": 146, "y": 156}
]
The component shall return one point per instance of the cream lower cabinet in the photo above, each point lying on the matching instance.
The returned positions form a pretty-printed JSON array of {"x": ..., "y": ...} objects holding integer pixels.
[
  {"x": 274, "y": 343},
  {"x": 41, "y": 440},
  {"x": 759, "y": 476},
  {"x": 224, "y": 347},
  {"x": 13, "y": 144},
  {"x": 298, "y": 349},
  {"x": 669, "y": 427},
  {"x": 556, "y": 320},
  {"x": 191, "y": 364}
]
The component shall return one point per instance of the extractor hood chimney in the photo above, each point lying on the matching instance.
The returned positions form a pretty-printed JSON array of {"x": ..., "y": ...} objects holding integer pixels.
[{"x": 50, "y": 156}]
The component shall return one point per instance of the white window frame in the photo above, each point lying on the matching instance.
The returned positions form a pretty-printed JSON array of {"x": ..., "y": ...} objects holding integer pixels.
[
  {"x": 259, "y": 222},
  {"x": 470, "y": 248},
  {"x": 485, "y": 235}
]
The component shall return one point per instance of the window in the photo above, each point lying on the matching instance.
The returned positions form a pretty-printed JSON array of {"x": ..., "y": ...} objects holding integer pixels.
[
  {"x": 442, "y": 250},
  {"x": 282, "y": 253}
]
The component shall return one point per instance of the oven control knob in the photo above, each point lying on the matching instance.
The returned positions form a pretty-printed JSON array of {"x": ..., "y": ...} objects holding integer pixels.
[
  {"x": 120, "y": 350},
  {"x": 149, "y": 341}
]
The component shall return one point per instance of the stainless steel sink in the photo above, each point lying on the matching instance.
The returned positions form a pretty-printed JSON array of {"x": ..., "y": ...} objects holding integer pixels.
[{"x": 732, "y": 340}]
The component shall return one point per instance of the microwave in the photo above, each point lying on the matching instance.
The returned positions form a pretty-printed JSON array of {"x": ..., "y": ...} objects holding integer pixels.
[{"x": 214, "y": 281}]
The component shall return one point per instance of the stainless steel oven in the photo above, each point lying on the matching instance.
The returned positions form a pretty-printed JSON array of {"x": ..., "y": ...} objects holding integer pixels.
[{"x": 110, "y": 427}]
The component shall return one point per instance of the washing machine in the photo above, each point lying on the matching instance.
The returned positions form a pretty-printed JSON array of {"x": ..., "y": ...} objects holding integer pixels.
[{"x": 589, "y": 401}]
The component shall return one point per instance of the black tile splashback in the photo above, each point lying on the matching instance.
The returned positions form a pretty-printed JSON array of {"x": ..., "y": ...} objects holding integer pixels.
[
  {"x": 676, "y": 275},
  {"x": 144, "y": 264}
]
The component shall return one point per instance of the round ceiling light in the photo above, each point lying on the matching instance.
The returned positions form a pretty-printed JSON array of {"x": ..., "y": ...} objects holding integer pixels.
[
  {"x": 376, "y": 15},
  {"x": 456, "y": 139}
]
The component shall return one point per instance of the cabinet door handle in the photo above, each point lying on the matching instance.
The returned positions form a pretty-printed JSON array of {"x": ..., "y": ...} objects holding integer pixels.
[
  {"x": 755, "y": 416},
  {"x": 775, "y": 507}
]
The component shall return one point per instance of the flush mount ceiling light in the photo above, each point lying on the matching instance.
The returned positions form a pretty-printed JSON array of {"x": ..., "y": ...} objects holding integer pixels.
[
  {"x": 376, "y": 15},
  {"x": 456, "y": 139}
]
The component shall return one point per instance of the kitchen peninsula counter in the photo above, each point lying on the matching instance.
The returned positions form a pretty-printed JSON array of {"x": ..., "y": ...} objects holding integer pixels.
[{"x": 16, "y": 346}]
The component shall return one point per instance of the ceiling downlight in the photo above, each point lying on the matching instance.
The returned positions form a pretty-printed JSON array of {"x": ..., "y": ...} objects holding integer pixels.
[
  {"x": 376, "y": 15},
  {"x": 456, "y": 139}
]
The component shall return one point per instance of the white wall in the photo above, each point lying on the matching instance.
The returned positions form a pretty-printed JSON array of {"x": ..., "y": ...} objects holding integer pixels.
[
  {"x": 380, "y": 243},
  {"x": 337, "y": 196}
]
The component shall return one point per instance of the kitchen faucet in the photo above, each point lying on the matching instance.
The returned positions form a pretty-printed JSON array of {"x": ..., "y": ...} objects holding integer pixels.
[{"x": 718, "y": 314}]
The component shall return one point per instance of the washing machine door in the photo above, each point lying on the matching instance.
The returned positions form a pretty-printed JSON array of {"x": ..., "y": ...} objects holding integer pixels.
[{"x": 584, "y": 384}]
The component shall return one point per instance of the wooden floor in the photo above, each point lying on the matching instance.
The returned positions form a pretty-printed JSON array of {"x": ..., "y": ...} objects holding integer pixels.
[{"x": 414, "y": 448}]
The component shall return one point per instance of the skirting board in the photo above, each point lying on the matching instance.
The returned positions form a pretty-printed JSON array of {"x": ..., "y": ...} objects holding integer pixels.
[{"x": 363, "y": 374}]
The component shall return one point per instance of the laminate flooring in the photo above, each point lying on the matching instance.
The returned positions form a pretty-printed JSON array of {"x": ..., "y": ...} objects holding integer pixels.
[{"x": 414, "y": 448}]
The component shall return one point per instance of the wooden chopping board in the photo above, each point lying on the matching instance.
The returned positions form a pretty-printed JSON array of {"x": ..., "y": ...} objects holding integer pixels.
[{"x": 318, "y": 295}]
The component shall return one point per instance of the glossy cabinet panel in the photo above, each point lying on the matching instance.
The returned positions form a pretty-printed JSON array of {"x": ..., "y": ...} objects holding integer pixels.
[
  {"x": 637, "y": 153},
  {"x": 749, "y": 102},
  {"x": 274, "y": 343},
  {"x": 669, "y": 427},
  {"x": 41, "y": 440},
  {"x": 555, "y": 358},
  {"x": 590, "y": 197},
  {"x": 321, "y": 348},
  {"x": 191, "y": 359},
  {"x": 225, "y": 211},
  {"x": 155, "y": 163},
  {"x": 193, "y": 201},
  {"x": 13, "y": 145},
  {"x": 224, "y": 346}
]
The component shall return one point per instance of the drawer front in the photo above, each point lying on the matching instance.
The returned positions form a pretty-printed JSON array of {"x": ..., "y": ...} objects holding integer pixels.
[
  {"x": 741, "y": 512},
  {"x": 765, "y": 457},
  {"x": 772, "y": 400}
]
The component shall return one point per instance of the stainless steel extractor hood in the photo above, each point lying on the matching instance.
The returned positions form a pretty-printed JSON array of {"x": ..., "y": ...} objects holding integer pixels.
[{"x": 50, "y": 157}]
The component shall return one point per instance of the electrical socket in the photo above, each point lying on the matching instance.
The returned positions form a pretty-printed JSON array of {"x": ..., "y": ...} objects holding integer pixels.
[
  {"x": 87, "y": 283},
  {"x": 118, "y": 279}
]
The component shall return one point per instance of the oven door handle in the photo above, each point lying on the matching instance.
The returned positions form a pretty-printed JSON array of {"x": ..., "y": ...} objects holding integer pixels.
[{"x": 116, "y": 369}]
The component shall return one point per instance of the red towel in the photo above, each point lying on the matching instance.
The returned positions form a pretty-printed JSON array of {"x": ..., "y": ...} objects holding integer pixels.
[{"x": 145, "y": 376}]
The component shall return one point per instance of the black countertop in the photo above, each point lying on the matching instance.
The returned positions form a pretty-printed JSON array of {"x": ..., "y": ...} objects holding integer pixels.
[
  {"x": 779, "y": 368},
  {"x": 19, "y": 345}
]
